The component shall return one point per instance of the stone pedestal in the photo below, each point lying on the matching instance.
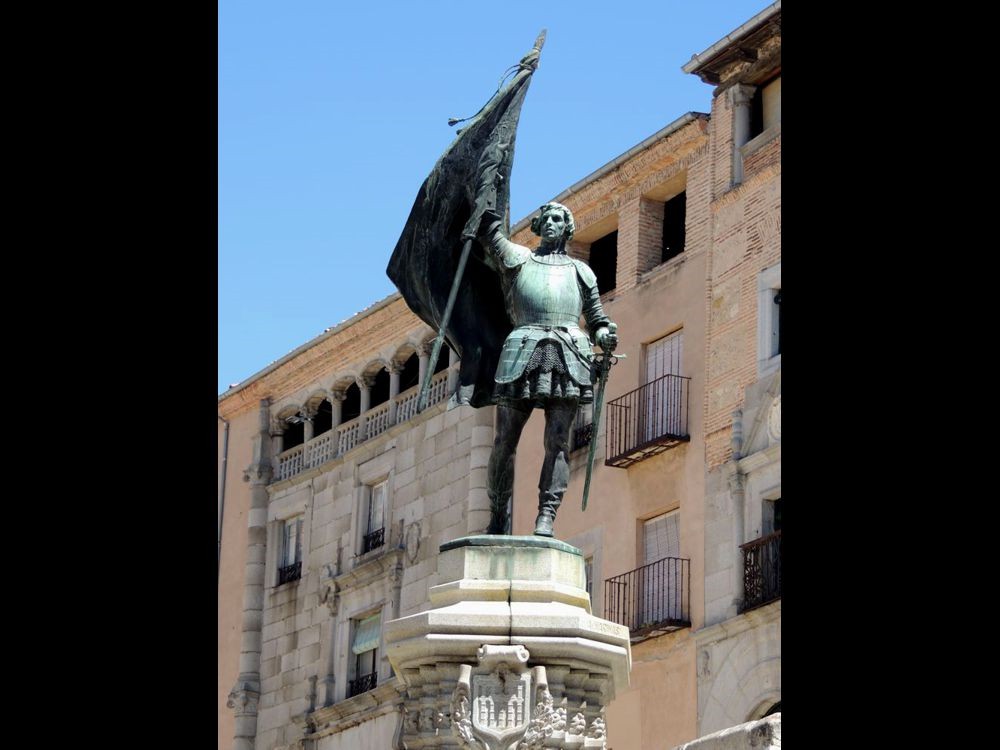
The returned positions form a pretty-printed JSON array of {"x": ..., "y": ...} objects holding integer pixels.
[{"x": 510, "y": 656}]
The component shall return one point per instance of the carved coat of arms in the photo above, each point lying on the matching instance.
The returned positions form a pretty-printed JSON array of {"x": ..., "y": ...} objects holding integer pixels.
[{"x": 492, "y": 703}]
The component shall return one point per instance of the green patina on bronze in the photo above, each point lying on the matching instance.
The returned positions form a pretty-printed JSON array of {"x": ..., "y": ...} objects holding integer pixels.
[
  {"x": 511, "y": 313},
  {"x": 493, "y": 540}
]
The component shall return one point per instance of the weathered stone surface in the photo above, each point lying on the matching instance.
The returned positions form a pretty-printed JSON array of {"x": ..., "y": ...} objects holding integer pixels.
[
  {"x": 763, "y": 734},
  {"x": 563, "y": 667}
]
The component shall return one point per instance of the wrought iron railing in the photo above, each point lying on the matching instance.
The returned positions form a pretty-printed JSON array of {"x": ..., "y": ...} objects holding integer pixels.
[
  {"x": 291, "y": 572},
  {"x": 363, "y": 684},
  {"x": 761, "y": 571},
  {"x": 374, "y": 540},
  {"x": 651, "y": 599},
  {"x": 649, "y": 420},
  {"x": 583, "y": 429}
]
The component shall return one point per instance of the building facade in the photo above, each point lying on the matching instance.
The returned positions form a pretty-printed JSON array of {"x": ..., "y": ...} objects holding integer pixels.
[{"x": 335, "y": 495}]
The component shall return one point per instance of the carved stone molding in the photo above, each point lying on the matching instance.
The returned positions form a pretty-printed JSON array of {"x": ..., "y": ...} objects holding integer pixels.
[
  {"x": 774, "y": 419},
  {"x": 243, "y": 699}
]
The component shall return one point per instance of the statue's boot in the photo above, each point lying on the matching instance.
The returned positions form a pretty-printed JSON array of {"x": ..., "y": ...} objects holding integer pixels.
[{"x": 548, "y": 504}]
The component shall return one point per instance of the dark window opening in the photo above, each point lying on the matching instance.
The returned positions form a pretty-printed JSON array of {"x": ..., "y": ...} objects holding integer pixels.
[
  {"x": 380, "y": 390},
  {"x": 777, "y": 327},
  {"x": 352, "y": 403},
  {"x": 775, "y": 709},
  {"x": 674, "y": 214},
  {"x": 323, "y": 420},
  {"x": 777, "y": 515},
  {"x": 295, "y": 434},
  {"x": 757, "y": 112},
  {"x": 366, "y": 677},
  {"x": 410, "y": 376},
  {"x": 604, "y": 261}
]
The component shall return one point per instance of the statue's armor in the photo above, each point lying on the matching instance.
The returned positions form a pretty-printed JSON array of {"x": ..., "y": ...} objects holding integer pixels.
[{"x": 545, "y": 296}]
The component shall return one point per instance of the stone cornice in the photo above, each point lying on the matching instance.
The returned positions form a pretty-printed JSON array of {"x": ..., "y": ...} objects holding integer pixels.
[
  {"x": 384, "y": 698},
  {"x": 740, "y": 624},
  {"x": 602, "y": 191},
  {"x": 311, "y": 361},
  {"x": 379, "y": 566},
  {"x": 760, "y": 459}
]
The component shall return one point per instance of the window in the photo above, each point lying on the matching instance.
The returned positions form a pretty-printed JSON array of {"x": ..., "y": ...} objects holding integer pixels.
[
  {"x": 364, "y": 646},
  {"x": 661, "y": 594},
  {"x": 662, "y": 403},
  {"x": 290, "y": 562},
  {"x": 769, "y": 320},
  {"x": 674, "y": 214},
  {"x": 375, "y": 522},
  {"x": 588, "y": 573},
  {"x": 771, "y": 521},
  {"x": 604, "y": 261}
]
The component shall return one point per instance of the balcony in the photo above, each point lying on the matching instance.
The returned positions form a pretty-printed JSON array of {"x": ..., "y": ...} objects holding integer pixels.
[
  {"x": 651, "y": 600},
  {"x": 374, "y": 540},
  {"x": 362, "y": 685},
  {"x": 761, "y": 571},
  {"x": 289, "y": 573},
  {"x": 649, "y": 420},
  {"x": 344, "y": 437}
]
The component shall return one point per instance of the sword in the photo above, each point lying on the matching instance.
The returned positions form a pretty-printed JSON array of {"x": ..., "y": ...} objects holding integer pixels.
[{"x": 604, "y": 362}]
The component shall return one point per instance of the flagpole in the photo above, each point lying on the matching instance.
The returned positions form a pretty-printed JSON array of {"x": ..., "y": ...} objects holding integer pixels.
[{"x": 436, "y": 351}]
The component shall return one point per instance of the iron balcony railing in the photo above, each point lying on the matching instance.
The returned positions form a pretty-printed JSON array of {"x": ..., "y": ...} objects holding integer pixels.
[
  {"x": 761, "y": 571},
  {"x": 363, "y": 684},
  {"x": 373, "y": 540},
  {"x": 649, "y": 420},
  {"x": 291, "y": 572},
  {"x": 583, "y": 430},
  {"x": 650, "y": 600}
]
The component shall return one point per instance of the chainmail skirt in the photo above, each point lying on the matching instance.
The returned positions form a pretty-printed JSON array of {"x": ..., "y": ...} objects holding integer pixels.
[{"x": 545, "y": 379}]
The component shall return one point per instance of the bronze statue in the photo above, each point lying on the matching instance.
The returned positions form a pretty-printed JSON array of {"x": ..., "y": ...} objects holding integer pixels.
[
  {"x": 511, "y": 314},
  {"x": 546, "y": 360}
]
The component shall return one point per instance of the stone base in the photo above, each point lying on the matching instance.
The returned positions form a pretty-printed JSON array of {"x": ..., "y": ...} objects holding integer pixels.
[{"x": 510, "y": 655}]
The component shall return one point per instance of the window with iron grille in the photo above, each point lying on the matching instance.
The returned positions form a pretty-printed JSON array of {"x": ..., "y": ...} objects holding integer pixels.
[
  {"x": 290, "y": 562},
  {"x": 662, "y": 413},
  {"x": 375, "y": 522},
  {"x": 364, "y": 646},
  {"x": 661, "y": 597}
]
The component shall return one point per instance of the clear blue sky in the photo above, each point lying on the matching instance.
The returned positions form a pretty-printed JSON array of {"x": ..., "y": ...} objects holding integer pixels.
[{"x": 333, "y": 112}]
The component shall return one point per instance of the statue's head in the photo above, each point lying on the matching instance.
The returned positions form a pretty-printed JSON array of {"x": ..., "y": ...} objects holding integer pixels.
[{"x": 560, "y": 211}]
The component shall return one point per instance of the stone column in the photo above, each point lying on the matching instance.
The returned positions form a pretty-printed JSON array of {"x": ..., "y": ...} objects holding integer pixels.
[
  {"x": 737, "y": 488},
  {"x": 740, "y": 97},
  {"x": 277, "y": 434},
  {"x": 500, "y": 602},
  {"x": 453, "y": 371},
  {"x": 394, "y": 369},
  {"x": 365, "y": 383},
  {"x": 307, "y": 413},
  {"x": 332, "y": 602},
  {"x": 423, "y": 357},
  {"x": 244, "y": 697}
]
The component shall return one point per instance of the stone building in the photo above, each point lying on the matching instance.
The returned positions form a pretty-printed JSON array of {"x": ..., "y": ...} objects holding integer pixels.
[{"x": 335, "y": 495}]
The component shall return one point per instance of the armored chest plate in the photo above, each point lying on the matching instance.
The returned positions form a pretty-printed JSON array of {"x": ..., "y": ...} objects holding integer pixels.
[{"x": 547, "y": 293}]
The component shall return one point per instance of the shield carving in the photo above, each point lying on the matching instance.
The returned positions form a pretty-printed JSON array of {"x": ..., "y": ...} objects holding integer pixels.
[{"x": 491, "y": 706}]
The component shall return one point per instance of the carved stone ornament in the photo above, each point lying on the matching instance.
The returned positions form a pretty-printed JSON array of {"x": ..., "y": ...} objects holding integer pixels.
[
  {"x": 774, "y": 419},
  {"x": 491, "y": 705},
  {"x": 243, "y": 699}
]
